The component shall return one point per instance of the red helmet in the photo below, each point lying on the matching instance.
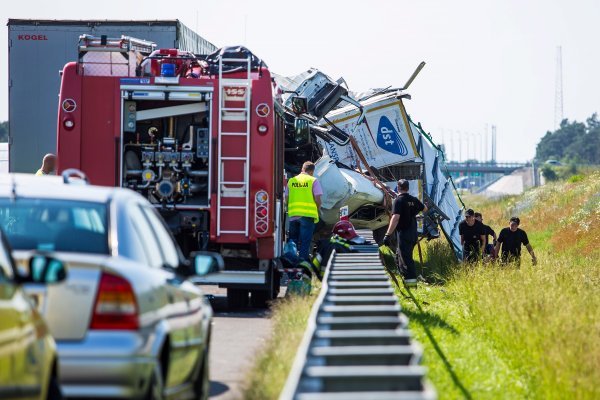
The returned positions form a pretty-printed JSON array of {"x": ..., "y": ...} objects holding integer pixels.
[{"x": 345, "y": 230}]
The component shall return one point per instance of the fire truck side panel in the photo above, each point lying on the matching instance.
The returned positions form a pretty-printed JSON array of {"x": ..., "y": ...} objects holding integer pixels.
[
  {"x": 100, "y": 129},
  {"x": 263, "y": 168},
  {"x": 69, "y": 111}
]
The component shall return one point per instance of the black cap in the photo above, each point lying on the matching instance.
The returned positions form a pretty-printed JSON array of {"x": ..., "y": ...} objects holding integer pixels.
[
  {"x": 469, "y": 212},
  {"x": 515, "y": 219}
]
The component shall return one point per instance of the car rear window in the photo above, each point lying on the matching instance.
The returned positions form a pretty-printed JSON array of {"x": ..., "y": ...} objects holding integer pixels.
[{"x": 55, "y": 225}]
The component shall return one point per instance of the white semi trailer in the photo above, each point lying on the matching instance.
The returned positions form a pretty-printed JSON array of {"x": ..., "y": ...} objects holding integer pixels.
[{"x": 39, "y": 49}]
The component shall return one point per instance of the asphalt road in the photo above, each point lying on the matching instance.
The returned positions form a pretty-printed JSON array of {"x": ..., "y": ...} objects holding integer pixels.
[{"x": 236, "y": 338}]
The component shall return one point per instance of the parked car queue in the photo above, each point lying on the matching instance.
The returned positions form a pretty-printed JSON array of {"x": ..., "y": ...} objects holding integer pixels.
[{"x": 95, "y": 295}]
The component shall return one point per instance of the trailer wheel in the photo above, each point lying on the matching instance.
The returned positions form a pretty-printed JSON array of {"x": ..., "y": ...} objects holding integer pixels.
[
  {"x": 261, "y": 298},
  {"x": 237, "y": 298}
]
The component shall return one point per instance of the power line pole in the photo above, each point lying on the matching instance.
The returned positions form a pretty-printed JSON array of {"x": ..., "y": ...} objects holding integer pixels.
[
  {"x": 459, "y": 146},
  {"x": 493, "y": 143},
  {"x": 558, "y": 94},
  {"x": 479, "y": 134},
  {"x": 486, "y": 143},
  {"x": 452, "y": 155}
]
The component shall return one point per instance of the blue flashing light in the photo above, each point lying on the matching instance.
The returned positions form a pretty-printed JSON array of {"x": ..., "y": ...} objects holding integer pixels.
[{"x": 167, "y": 70}]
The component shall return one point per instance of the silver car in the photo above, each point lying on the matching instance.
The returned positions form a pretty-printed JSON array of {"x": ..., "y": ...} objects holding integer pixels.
[{"x": 127, "y": 321}]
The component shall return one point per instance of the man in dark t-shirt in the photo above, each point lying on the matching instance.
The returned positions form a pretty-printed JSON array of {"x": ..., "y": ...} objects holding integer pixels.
[
  {"x": 488, "y": 247},
  {"x": 404, "y": 223},
  {"x": 471, "y": 237},
  {"x": 511, "y": 239}
]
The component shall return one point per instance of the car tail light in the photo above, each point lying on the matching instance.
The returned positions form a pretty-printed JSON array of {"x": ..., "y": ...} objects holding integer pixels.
[{"x": 115, "y": 307}]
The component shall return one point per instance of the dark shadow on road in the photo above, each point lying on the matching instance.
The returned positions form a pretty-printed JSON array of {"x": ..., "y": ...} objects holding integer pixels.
[
  {"x": 217, "y": 388},
  {"x": 219, "y": 305}
]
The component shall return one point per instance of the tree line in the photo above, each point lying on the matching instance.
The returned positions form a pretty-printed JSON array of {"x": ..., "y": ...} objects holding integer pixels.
[{"x": 574, "y": 142}]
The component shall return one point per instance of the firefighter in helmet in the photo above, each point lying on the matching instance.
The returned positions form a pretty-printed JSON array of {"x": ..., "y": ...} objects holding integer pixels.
[{"x": 303, "y": 201}]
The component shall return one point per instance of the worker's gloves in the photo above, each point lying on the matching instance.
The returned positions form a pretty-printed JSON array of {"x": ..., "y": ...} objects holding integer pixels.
[{"x": 387, "y": 240}]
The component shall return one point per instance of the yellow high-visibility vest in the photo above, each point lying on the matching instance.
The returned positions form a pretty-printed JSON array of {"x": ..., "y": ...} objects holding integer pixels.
[{"x": 301, "y": 202}]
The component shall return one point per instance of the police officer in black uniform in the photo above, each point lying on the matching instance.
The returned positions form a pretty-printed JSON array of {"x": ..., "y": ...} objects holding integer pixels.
[
  {"x": 471, "y": 237},
  {"x": 511, "y": 239},
  {"x": 487, "y": 232},
  {"x": 404, "y": 224}
]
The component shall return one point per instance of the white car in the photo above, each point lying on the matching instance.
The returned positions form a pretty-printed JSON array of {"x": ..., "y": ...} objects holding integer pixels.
[{"x": 127, "y": 321}]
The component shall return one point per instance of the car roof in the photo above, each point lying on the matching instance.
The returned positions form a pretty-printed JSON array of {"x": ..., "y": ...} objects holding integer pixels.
[{"x": 54, "y": 187}]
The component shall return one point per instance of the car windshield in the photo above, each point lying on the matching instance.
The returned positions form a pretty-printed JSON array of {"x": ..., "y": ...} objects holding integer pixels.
[{"x": 55, "y": 225}]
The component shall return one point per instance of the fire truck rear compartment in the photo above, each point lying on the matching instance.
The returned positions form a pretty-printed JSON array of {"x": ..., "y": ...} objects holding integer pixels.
[{"x": 166, "y": 152}]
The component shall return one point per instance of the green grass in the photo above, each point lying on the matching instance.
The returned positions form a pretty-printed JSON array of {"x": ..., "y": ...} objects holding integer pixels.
[
  {"x": 492, "y": 331},
  {"x": 497, "y": 332},
  {"x": 268, "y": 375}
]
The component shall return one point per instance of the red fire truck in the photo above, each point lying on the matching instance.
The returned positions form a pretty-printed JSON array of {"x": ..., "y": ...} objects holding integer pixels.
[{"x": 196, "y": 135}]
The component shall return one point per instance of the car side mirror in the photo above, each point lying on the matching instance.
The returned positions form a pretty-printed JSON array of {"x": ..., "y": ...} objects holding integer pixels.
[
  {"x": 206, "y": 263},
  {"x": 301, "y": 132},
  {"x": 44, "y": 269}
]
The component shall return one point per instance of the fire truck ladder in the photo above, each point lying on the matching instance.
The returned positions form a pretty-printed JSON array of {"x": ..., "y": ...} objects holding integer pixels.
[{"x": 234, "y": 190}]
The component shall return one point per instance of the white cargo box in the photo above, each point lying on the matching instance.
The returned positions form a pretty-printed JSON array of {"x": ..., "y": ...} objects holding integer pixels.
[
  {"x": 108, "y": 64},
  {"x": 103, "y": 56},
  {"x": 385, "y": 138}
]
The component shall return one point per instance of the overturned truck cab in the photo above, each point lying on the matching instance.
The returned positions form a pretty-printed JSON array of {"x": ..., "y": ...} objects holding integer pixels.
[{"x": 362, "y": 144}]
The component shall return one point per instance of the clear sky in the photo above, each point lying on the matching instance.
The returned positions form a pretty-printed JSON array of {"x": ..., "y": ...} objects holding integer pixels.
[{"x": 488, "y": 62}]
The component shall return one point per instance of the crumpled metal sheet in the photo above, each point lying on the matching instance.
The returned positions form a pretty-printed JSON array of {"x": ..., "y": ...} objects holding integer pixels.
[
  {"x": 439, "y": 188},
  {"x": 411, "y": 145}
]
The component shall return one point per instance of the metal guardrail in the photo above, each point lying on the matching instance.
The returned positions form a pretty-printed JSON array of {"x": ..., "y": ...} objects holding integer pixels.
[{"x": 357, "y": 345}]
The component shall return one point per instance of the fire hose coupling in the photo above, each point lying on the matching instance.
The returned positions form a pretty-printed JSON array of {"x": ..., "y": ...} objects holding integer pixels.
[
  {"x": 165, "y": 188},
  {"x": 148, "y": 175}
]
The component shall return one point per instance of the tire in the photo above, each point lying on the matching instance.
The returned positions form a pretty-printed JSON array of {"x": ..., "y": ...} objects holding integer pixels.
[
  {"x": 54, "y": 392},
  {"x": 261, "y": 298},
  {"x": 237, "y": 298},
  {"x": 156, "y": 386},
  {"x": 277, "y": 283},
  {"x": 202, "y": 383}
]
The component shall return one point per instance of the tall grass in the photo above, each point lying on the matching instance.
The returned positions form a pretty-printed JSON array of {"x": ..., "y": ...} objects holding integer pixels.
[
  {"x": 493, "y": 331},
  {"x": 268, "y": 375}
]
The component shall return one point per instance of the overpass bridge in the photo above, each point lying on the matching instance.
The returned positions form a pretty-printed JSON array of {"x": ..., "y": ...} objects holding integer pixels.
[{"x": 470, "y": 167}]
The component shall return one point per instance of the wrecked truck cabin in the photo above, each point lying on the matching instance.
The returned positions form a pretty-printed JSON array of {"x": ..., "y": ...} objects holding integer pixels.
[{"x": 361, "y": 145}]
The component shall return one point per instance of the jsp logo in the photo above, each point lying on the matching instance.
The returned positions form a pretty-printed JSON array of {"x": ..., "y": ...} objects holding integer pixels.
[{"x": 389, "y": 139}]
